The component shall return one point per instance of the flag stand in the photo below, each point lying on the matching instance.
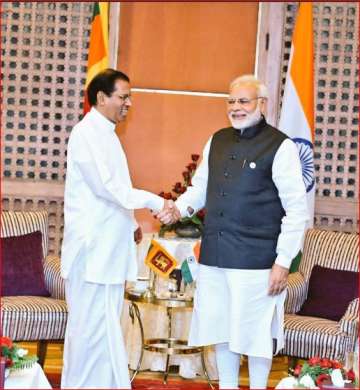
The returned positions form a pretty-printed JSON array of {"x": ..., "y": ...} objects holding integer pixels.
[{"x": 149, "y": 293}]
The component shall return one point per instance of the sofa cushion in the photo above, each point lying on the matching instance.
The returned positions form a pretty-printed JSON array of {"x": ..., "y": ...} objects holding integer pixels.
[
  {"x": 22, "y": 265},
  {"x": 33, "y": 318},
  {"x": 306, "y": 337},
  {"x": 16, "y": 223},
  {"x": 330, "y": 293}
]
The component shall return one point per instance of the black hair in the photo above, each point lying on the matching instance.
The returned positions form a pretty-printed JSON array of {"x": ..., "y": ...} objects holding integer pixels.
[{"x": 104, "y": 81}]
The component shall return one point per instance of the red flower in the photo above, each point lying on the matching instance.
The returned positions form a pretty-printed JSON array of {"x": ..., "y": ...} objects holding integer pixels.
[
  {"x": 166, "y": 195},
  {"x": 186, "y": 175},
  {"x": 321, "y": 378},
  {"x": 177, "y": 188},
  {"x": 6, "y": 342},
  {"x": 297, "y": 370},
  {"x": 325, "y": 363},
  {"x": 336, "y": 364},
  {"x": 314, "y": 360},
  {"x": 195, "y": 157},
  {"x": 191, "y": 167},
  {"x": 201, "y": 214},
  {"x": 350, "y": 375},
  {"x": 8, "y": 362}
]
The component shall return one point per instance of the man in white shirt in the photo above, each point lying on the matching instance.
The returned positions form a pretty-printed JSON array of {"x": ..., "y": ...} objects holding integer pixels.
[
  {"x": 98, "y": 251},
  {"x": 250, "y": 182}
]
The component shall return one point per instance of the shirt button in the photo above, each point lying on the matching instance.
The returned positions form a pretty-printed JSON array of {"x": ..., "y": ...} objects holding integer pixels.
[
  {"x": 232, "y": 157},
  {"x": 223, "y": 193},
  {"x": 221, "y": 233},
  {"x": 226, "y": 174},
  {"x": 221, "y": 213}
]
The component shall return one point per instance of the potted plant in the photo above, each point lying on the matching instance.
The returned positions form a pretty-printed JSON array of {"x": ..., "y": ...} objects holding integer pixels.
[
  {"x": 16, "y": 358},
  {"x": 319, "y": 373},
  {"x": 187, "y": 226}
]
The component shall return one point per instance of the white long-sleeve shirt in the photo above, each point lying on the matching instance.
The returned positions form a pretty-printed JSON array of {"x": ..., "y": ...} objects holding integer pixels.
[
  {"x": 99, "y": 202},
  {"x": 287, "y": 177}
]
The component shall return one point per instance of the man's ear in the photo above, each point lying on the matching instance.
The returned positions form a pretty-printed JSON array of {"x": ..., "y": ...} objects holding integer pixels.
[
  {"x": 100, "y": 98},
  {"x": 263, "y": 106}
]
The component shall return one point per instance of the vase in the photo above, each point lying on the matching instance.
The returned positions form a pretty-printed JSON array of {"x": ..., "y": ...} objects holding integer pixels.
[{"x": 188, "y": 231}]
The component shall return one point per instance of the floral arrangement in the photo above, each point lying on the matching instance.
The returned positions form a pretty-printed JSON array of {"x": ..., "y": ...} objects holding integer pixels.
[
  {"x": 197, "y": 219},
  {"x": 318, "y": 372},
  {"x": 15, "y": 357}
]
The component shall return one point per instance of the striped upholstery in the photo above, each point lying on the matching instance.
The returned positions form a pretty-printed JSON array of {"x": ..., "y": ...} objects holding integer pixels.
[
  {"x": 310, "y": 336},
  {"x": 33, "y": 318},
  {"x": 53, "y": 280},
  {"x": 296, "y": 293},
  {"x": 16, "y": 223}
]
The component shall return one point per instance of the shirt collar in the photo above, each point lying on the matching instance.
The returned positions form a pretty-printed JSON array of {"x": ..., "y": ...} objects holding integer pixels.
[{"x": 101, "y": 120}]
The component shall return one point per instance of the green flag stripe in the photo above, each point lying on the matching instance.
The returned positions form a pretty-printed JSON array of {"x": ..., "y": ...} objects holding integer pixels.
[{"x": 96, "y": 11}]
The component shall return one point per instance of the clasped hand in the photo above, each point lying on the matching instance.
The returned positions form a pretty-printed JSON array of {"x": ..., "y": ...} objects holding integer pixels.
[{"x": 169, "y": 214}]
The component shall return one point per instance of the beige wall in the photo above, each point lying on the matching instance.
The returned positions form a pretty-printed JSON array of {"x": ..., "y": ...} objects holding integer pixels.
[{"x": 179, "y": 46}]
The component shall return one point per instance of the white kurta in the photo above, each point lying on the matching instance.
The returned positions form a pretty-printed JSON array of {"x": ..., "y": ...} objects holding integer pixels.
[
  {"x": 98, "y": 203},
  {"x": 98, "y": 253},
  {"x": 235, "y": 303},
  {"x": 233, "y": 306}
]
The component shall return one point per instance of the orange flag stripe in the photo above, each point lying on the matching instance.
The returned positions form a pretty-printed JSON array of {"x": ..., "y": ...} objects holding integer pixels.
[
  {"x": 97, "y": 46},
  {"x": 98, "y": 57},
  {"x": 302, "y": 64}
]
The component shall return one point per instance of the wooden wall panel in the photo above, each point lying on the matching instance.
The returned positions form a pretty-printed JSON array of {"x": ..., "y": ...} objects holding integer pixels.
[
  {"x": 161, "y": 133},
  {"x": 187, "y": 46}
]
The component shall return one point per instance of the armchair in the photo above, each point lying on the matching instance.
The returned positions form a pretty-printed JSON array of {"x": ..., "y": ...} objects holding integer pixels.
[
  {"x": 33, "y": 318},
  {"x": 307, "y": 336}
]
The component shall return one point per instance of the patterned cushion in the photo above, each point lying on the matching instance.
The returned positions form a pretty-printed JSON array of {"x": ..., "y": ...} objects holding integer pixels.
[
  {"x": 15, "y": 223},
  {"x": 319, "y": 337},
  {"x": 33, "y": 318}
]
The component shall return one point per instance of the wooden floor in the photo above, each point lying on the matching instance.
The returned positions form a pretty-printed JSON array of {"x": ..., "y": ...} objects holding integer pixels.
[{"x": 53, "y": 365}]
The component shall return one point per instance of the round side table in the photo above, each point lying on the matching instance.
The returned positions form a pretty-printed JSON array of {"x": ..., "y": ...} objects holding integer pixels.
[{"x": 167, "y": 345}]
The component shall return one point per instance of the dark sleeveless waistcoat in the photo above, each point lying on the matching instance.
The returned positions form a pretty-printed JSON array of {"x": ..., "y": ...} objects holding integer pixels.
[{"x": 243, "y": 208}]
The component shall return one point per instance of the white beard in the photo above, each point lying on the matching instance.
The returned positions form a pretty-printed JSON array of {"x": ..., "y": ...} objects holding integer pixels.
[{"x": 250, "y": 120}]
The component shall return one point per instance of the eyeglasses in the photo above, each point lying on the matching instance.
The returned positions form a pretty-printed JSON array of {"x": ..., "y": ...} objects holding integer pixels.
[
  {"x": 244, "y": 102},
  {"x": 125, "y": 97}
]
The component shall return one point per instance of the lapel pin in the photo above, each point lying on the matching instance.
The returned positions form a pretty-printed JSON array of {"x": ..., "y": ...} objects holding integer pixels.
[{"x": 252, "y": 165}]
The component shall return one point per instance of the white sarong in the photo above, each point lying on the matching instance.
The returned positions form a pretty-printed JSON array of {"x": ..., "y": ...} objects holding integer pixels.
[
  {"x": 94, "y": 351},
  {"x": 233, "y": 306}
]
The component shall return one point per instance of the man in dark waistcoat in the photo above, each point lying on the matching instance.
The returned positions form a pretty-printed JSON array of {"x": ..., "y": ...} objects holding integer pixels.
[{"x": 250, "y": 182}]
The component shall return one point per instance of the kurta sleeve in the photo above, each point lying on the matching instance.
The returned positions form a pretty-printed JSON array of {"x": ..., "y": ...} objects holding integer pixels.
[
  {"x": 110, "y": 182},
  {"x": 287, "y": 176},
  {"x": 195, "y": 195}
]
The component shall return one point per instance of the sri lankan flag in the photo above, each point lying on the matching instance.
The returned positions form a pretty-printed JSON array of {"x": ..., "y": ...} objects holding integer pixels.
[
  {"x": 160, "y": 260},
  {"x": 98, "y": 58}
]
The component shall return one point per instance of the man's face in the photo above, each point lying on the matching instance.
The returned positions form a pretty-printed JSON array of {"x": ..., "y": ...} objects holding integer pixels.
[
  {"x": 116, "y": 106},
  {"x": 244, "y": 107}
]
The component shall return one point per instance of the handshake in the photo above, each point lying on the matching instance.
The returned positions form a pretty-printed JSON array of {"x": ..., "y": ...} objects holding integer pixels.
[{"x": 169, "y": 214}]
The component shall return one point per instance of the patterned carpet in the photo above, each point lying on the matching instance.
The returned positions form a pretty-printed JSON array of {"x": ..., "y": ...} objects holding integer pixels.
[{"x": 151, "y": 384}]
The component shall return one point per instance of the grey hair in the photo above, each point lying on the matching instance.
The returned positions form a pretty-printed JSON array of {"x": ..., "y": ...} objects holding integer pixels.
[{"x": 250, "y": 79}]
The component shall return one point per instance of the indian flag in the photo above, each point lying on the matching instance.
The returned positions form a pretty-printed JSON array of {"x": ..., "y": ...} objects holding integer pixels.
[
  {"x": 297, "y": 113},
  {"x": 190, "y": 265},
  {"x": 98, "y": 58}
]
